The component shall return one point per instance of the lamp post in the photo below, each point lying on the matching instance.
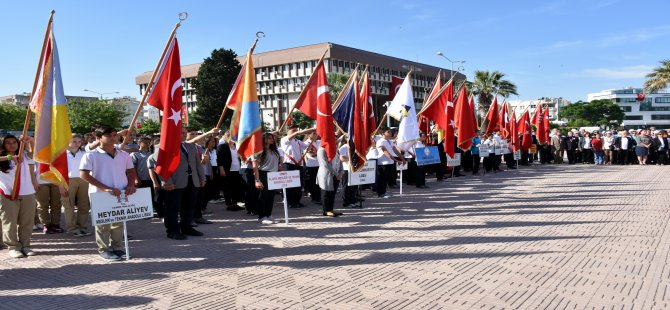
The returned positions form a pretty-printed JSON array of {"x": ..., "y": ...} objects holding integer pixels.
[
  {"x": 100, "y": 94},
  {"x": 452, "y": 62}
]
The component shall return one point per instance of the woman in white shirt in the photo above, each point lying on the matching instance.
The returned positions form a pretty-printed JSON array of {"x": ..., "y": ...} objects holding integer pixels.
[{"x": 17, "y": 215}]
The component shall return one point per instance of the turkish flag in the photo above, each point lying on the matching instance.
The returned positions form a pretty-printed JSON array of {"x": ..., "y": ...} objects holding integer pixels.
[
  {"x": 315, "y": 103},
  {"x": 504, "y": 121},
  {"x": 539, "y": 124},
  {"x": 395, "y": 85},
  {"x": 362, "y": 130},
  {"x": 545, "y": 126},
  {"x": 474, "y": 112},
  {"x": 166, "y": 97},
  {"x": 523, "y": 128},
  {"x": 493, "y": 117},
  {"x": 467, "y": 126},
  {"x": 513, "y": 132}
]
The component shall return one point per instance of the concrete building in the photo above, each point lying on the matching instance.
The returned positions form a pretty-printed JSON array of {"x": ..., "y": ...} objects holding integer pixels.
[
  {"x": 129, "y": 105},
  {"x": 24, "y": 99},
  {"x": 282, "y": 74},
  {"x": 554, "y": 105},
  {"x": 652, "y": 111}
]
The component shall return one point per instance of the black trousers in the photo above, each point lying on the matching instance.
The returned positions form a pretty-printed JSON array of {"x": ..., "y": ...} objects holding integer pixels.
[
  {"x": 475, "y": 163},
  {"x": 293, "y": 194},
  {"x": 328, "y": 202},
  {"x": 214, "y": 185},
  {"x": 384, "y": 174},
  {"x": 310, "y": 183},
  {"x": 179, "y": 205},
  {"x": 267, "y": 197},
  {"x": 201, "y": 202},
  {"x": 488, "y": 162},
  {"x": 251, "y": 193},
  {"x": 622, "y": 157},
  {"x": 571, "y": 156},
  {"x": 233, "y": 187},
  {"x": 349, "y": 193},
  {"x": 418, "y": 172}
]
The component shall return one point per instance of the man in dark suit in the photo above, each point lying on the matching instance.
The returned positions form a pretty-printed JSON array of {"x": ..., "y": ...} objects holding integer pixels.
[
  {"x": 230, "y": 180},
  {"x": 181, "y": 192},
  {"x": 660, "y": 145},
  {"x": 624, "y": 145},
  {"x": 571, "y": 144}
]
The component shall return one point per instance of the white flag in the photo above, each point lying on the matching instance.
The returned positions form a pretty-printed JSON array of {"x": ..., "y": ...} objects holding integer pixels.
[{"x": 402, "y": 109}]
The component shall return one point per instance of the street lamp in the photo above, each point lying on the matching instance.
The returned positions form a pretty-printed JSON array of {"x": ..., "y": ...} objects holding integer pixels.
[
  {"x": 452, "y": 63},
  {"x": 100, "y": 94}
]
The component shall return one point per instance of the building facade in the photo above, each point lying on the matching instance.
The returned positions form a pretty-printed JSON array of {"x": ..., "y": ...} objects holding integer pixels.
[
  {"x": 652, "y": 111},
  {"x": 282, "y": 74},
  {"x": 554, "y": 105},
  {"x": 24, "y": 99}
]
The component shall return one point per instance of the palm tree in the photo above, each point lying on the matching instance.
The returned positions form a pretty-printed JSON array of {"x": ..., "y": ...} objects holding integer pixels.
[
  {"x": 659, "y": 78},
  {"x": 336, "y": 82},
  {"x": 487, "y": 84}
]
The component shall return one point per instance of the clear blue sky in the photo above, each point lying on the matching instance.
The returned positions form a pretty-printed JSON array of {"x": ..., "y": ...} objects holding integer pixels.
[{"x": 548, "y": 48}]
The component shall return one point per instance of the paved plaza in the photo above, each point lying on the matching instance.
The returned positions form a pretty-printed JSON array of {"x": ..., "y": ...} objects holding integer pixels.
[{"x": 539, "y": 237}]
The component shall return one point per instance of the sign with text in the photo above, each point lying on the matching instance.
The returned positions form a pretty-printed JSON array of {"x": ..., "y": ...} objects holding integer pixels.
[
  {"x": 498, "y": 150},
  {"x": 428, "y": 155},
  {"x": 533, "y": 148},
  {"x": 283, "y": 179},
  {"x": 400, "y": 166},
  {"x": 453, "y": 162},
  {"x": 107, "y": 208},
  {"x": 364, "y": 176},
  {"x": 484, "y": 150},
  {"x": 517, "y": 155}
]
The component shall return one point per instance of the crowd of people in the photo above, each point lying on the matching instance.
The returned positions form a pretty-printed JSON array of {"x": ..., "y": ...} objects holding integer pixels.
[{"x": 211, "y": 172}]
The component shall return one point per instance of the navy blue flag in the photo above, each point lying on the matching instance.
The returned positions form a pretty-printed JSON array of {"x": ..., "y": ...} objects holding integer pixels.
[{"x": 343, "y": 113}]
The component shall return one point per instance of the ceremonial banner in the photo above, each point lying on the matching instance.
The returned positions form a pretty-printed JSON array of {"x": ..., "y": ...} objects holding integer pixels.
[
  {"x": 427, "y": 155},
  {"x": 453, "y": 162},
  {"x": 283, "y": 179},
  {"x": 364, "y": 176},
  {"x": 107, "y": 208}
]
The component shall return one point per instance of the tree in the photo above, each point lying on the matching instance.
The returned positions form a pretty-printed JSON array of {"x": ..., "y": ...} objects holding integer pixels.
[
  {"x": 487, "y": 84},
  {"x": 84, "y": 115},
  {"x": 600, "y": 113},
  {"x": 659, "y": 78},
  {"x": 336, "y": 83},
  {"x": 149, "y": 127},
  {"x": 12, "y": 116},
  {"x": 301, "y": 120},
  {"x": 215, "y": 80}
]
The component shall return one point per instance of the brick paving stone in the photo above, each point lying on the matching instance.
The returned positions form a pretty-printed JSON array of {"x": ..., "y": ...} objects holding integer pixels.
[{"x": 545, "y": 236}]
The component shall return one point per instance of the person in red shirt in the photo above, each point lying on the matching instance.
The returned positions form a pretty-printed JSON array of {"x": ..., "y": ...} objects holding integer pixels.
[{"x": 599, "y": 154}]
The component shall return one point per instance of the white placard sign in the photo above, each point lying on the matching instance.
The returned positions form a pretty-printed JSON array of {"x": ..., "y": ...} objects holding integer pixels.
[
  {"x": 517, "y": 155},
  {"x": 453, "y": 162},
  {"x": 364, "y": 176},
  {"x": 498, "y": 150},
  {"x": 400, "y": 166},
  {"x": 283, "y": 179},
  {"x": 506, "y": 150},
  {"x": 484, "y": 150},
  {"x": 107, "y": 208}
]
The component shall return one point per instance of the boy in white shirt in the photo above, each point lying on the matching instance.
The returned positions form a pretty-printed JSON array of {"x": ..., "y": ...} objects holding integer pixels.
[{"x": 108, "y": 169}]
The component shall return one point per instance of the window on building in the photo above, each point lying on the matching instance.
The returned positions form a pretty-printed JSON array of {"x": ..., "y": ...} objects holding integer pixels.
[
  {"x": 626, "y": 108},
  {"x": 632, "y": 117},
  {"x": 658, "y": 117},
  {"x": 646, "y": 106},
  {"x": 662, "y": 100}
]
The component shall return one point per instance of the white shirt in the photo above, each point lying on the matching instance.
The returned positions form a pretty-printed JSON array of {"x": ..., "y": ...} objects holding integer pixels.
[
  {"x": 313, "y": 161},
  {"x": 607, "y": 142},
  {"x": 587, "y": 143},
  {"x": 383, "y": 159},
  {"x": 73, "y": 162},
  {"x": 212, "y": 157},
  {"x": 107, "y": 170},
  {"x": 344, "y": 152},
  {"x": 25, "y": 183},
  {"x": 235, "y": 159},
  {"x": 624, "y": 143},
  {"x": 292, "y": 150}
]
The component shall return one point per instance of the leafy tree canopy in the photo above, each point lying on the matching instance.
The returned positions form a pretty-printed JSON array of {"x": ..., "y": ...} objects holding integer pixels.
[
  {"x": 84, "y": 115},
  {"x": 216, "y": 77},
  {"x": 601, "y": 113}
]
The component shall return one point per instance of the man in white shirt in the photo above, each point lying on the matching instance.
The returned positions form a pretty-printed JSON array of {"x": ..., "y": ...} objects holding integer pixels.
[
  {"x": 389, "y": 155},
  {"x": 292, "y": 160},
  {"x": 312, "y": 168}
]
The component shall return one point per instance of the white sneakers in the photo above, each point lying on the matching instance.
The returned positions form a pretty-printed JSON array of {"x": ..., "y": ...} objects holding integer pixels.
[
  {"x": 267, "y": 220},
  {"x": 15, "y": 254}
]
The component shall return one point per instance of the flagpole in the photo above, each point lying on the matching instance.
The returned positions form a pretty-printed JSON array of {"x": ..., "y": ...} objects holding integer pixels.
[
  {"x": 259, "y": 35},
  {"x": 288, "y": 116},
  {"x": 153, "y": 75},
  {"x": 432, "y": 100},
  {"x": 26, "y": 122}
]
